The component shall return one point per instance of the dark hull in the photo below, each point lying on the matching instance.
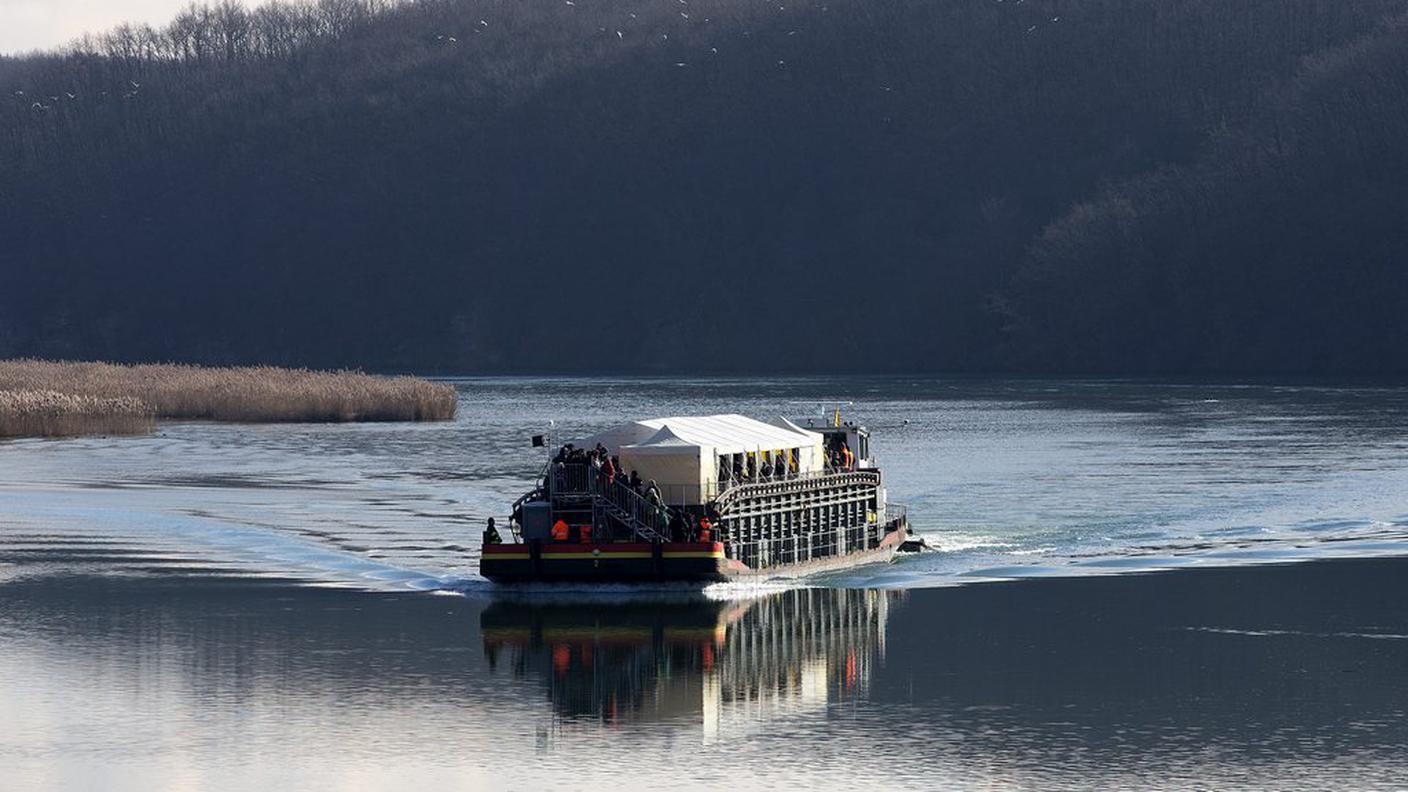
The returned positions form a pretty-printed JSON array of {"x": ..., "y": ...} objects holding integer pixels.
[{"x": 562, "y": 562}]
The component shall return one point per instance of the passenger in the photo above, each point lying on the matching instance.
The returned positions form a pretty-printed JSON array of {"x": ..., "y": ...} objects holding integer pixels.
[
  {"x": 706, "y": 530},
  {"x": 652, "y": 494},
  {"x": 752, "y": 467},
  {"x": 848, "y": 458},
  {"x": 608, "y": 470},
  {"x": 561, "y": 531},
  {"x": 585, "y": 531},
  {"x": 491, "y": 534},
  {"x": 635, "y": 482},
  {"x": 737, "y": 471},
  {"x": 766, "y": 472}
]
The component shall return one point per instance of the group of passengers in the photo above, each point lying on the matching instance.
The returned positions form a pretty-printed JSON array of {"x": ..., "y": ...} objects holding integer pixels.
[
  {"x": 737, "y": 472},
  {"x": 629, "y": 491},
  {"x": 608, "y": 468},
  {"x": 840, "y": 457},
  {"x": 733, "y": 470}
]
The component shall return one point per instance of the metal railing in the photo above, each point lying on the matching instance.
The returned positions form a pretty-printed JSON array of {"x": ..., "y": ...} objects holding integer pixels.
[
  {"x": 569, "y": 479},
  {"x": 631, "y": 508},
  {"x": 796, "y": 483},
  {"x": 578, "y": 481},
  {"x": 895, "y": 512}
]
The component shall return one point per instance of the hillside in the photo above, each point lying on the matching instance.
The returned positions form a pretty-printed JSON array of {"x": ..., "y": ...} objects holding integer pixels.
[{"x": 717, "y": 185}]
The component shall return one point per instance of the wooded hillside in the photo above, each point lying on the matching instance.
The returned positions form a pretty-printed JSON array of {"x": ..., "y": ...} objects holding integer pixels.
[{"x": 1128, "y": 186}]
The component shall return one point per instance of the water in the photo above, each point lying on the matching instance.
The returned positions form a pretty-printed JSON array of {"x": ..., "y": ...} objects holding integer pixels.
[
  {"x": 221, "y": 607},
  {"x": 1008, "y": 479}
]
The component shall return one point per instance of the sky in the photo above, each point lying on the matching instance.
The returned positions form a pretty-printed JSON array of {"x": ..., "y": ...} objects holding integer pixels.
[{"x": 42, "y": 24}]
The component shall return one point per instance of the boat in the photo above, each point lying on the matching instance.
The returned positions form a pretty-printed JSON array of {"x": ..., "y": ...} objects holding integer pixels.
[{"x": 700, "y": 499}]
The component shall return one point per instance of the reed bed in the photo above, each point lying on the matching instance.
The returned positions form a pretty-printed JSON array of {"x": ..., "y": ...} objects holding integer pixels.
[
  {"x": 258, "y": 394},
  {"x": 45, "y": 413}
]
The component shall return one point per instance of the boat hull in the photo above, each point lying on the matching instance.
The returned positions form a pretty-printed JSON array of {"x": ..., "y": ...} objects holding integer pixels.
[{"x": 639, "y": 562}]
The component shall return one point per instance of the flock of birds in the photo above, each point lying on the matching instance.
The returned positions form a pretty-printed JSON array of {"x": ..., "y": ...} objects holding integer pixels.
[
  {"x": 683, "y": 9},
  {"x": 38, "y": 105},
  {"x": 685, "y": 14}
]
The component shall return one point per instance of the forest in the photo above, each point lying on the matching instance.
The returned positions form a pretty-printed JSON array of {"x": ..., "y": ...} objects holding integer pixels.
[{"x": 1103, "y": 187}]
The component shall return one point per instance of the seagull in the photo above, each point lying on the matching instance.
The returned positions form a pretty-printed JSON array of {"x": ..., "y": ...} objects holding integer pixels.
[
  {"x": 135, "y": 85},
  {"x": 683, "y": 14},
  {"x": 569, "y": 2},
  {"x": 453, "y": 40},
  {"x": 71, "y": 96},
  {"x": 714, "y": 50},
  {"x": 482, "y": 22},
  {"x": 1030, "y": 29},
  {"x": 19, "y": 93},
  {"x": 681, "y": 64},
  {"x": 620, "y": 35}
]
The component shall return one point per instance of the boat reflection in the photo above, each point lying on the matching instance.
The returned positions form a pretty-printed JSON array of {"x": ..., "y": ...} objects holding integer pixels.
[{"x": 723, "y": 665}]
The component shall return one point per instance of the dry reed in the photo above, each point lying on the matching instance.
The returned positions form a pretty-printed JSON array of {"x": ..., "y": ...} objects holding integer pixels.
[
  {"x": 250, "y": 394},
  {"x": 44, "y": 413}
]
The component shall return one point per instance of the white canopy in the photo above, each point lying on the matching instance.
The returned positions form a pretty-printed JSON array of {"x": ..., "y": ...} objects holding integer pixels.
[
  {"x": 682, "y": 453},
  {"x": 726, "y": 434}
]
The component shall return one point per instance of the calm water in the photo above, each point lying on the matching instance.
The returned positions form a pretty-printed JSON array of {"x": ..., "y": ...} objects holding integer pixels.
[{"x": 219, "y": 607}]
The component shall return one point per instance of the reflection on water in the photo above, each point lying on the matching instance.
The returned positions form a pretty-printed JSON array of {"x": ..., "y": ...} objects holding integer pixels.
[
  {"x": 1278, "y": 677},
  {"x": 236, "y": 607},
  {"x": 718, "y": 664}
]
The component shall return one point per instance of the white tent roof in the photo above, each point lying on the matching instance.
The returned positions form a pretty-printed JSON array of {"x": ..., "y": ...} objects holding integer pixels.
[
  {"x": 783, "y": 423},
  {"x": 663, "y": 442},
  {"x": 617, "y": 436},
  {"x": 731, "y": 434},
  {"x": 726, "y": 434}
]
